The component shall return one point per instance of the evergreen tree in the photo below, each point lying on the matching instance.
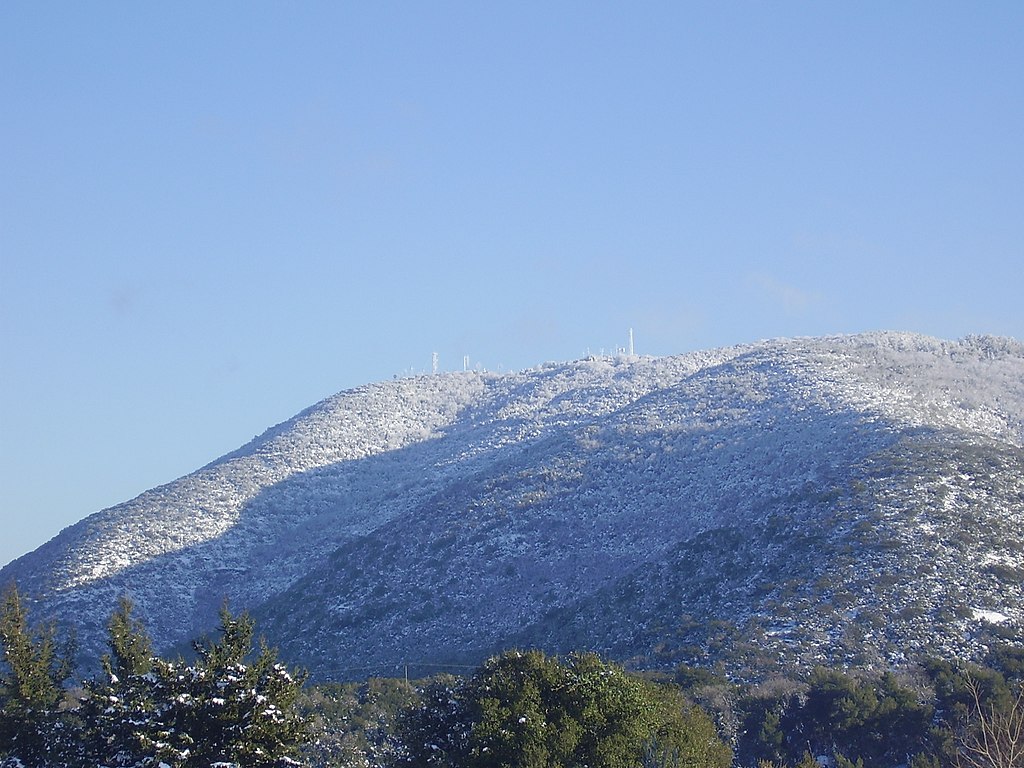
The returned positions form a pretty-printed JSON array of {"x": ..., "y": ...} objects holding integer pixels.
[
  {"x": 33, "y": 727},
  {"x": 845, "y": 717},
  {"x": 131, "y": 650},
  {"x": 225, "y": 708},
  {"x": 120, "y": 707}
]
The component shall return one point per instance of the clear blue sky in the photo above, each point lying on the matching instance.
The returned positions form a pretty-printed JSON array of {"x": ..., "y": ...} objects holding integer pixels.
[{"x": 213, "y": 215}]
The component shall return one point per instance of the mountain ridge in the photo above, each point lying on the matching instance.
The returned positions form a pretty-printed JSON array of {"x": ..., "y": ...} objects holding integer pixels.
[{"x": 448, "y": 515}]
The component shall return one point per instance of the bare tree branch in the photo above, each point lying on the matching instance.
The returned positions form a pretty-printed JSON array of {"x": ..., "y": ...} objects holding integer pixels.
[{"x": 994, "y": 737}]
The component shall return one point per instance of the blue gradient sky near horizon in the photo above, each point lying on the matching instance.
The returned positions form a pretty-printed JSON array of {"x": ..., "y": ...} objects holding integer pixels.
[{"x": 212, "y": 215}]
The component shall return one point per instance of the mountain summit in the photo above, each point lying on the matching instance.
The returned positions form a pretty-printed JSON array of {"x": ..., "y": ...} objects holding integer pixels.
[{"x": 841, "y": 499}]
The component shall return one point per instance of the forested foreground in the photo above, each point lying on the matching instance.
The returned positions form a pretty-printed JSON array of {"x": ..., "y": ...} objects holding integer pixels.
[{"x": 234, "y": 704}]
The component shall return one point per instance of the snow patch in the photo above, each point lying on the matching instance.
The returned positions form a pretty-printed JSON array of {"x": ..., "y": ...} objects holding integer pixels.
[{"x": 991, "y": 617}]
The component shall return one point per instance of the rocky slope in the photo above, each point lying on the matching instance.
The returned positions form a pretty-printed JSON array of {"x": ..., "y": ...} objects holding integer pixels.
[{"x": 837, "y": 499}]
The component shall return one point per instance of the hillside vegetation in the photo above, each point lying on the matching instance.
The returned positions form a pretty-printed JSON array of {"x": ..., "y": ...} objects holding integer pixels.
[
  {"x": 233, "y": 707},
  {"x": 836, "y": 501}
]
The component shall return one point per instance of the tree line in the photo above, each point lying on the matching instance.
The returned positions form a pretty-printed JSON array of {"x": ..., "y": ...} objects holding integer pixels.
[
  {"x": 938, "y": 714},
  {"x": 236, "y": 705},
  {"x": 233, "y": 705}
]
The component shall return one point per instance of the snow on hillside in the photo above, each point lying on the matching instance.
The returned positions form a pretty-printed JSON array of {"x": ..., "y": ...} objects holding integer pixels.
[
  {"x": 203, "y": 506},
  {"x": 460, "y": 508}
]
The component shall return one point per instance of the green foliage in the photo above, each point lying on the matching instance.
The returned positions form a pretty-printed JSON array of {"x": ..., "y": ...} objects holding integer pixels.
[
  {"x": 118, "y": 704},
  {"x": 131, "y": 651},
  {"x": 957, "y": 687},
  {"x": 977, "y": 719},
  {"x": 982, "y": 714},
  {"x": 533, "y": 711},
  {"x": 876, "y": 720},
  {"x": 354, "y": 723},
  {"x": 843, "y": 762},
  {"x": 1008, "y": 660},
  {"x": 871, "y": 719},
  {"x": 688, "y": 677},
  {"x": 434, "y": 732},
  {"x": 33, "y": 727},
  {"x": 762, "y": 738},
  {"x": 684, "y": 735},
  {"x": 225, "y": 707},
  {"x": 236, "y": 705},
  {"x": 233, "y": 706}
]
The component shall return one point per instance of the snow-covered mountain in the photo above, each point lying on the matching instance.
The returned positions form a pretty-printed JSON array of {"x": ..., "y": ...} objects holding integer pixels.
[{"x": 841, "y": 499}]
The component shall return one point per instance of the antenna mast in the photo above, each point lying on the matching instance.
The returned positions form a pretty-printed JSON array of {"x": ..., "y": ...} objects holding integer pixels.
[{"x": 630, "y": 342}]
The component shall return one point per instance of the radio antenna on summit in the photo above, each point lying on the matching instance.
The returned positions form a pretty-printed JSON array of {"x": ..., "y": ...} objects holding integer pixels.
[
  {"x": 630, "y": 342},
  {"x": 434, "y": 362}
]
